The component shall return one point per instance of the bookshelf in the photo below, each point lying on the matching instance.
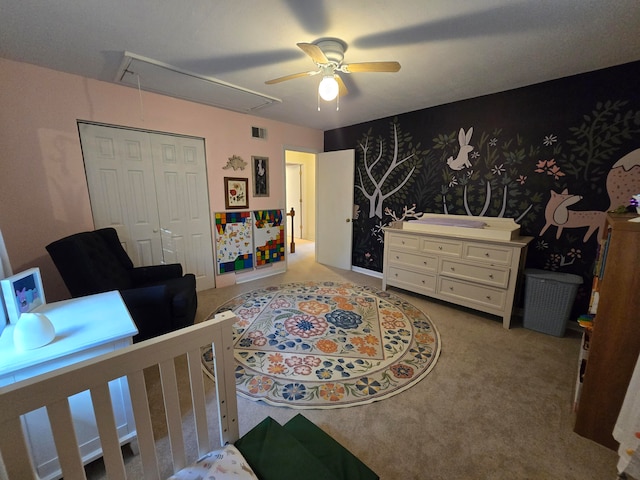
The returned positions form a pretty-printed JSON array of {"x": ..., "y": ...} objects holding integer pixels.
[{"x": 614, "y": 342}]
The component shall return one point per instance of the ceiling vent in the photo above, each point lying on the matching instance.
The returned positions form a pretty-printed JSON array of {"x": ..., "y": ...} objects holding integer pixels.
[
  {"x": 258, "y": 132},
  {"x": 154, "y": 76}
]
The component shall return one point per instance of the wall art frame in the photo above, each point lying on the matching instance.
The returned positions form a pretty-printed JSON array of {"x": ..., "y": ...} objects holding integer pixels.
[
  {"x": 260, "y": 167},
  {"x": 236, "y": 193},
  {"x": 22, "y": 293}
]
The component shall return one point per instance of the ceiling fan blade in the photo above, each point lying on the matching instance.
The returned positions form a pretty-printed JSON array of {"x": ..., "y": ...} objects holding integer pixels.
[
  {"x": 342, "y": 88},
  {"x": 370, "y": 67},
  {"x": 314, "y": 51},
  {"x": 290, "y": 77}
]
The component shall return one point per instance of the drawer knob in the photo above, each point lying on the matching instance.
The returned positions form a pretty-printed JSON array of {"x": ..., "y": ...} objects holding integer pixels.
[
  {"x": 395, "y": 274},
  {"x": 425, "y": 262},
  {"x": 403, "y": 242},
  {"x": 486, "y": 254},
  {"x": 397, "y": 257},
  {"x": 453, "y": 269},
  {"x": 491, "y": 275},
  {"x": 423, "y": 281},
  {"x": 488, "y": 297},
  {"x": 451, "y": 288},
  {"x": 440, "y": 247}
]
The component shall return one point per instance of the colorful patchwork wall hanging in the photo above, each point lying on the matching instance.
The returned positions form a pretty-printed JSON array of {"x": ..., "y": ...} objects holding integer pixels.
[
  {"x": 234, "y": 246},
  {"x": 268, "y": 236}
]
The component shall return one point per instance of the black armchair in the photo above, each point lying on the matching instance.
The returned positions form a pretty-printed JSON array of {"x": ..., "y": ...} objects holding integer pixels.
[{"x": 159, "y": 298}]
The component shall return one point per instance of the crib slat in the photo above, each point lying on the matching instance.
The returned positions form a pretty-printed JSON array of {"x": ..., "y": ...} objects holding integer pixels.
[
  {"x": 13, "y": 445},
  {"x": 173, "y": 414},
  {"x": 144, "y": 428},
  {"x": 106, "y": 423},
  {"x": 63, "y": 431},
  {"x": 225, "y": 384},
  {"x": 198, "y": 401}
]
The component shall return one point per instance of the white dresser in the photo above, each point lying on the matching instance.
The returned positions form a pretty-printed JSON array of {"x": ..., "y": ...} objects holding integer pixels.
[
  {"x": 85, "y": 327},
  {"x": 459, "y": 265}
]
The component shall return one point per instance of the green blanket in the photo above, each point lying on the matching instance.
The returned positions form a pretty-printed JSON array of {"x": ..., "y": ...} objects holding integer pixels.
[{"x": 299, "y": 449}]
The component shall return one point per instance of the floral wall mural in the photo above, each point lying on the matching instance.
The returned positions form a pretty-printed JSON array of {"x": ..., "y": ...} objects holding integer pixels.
[{"x": 554, "y": 156}]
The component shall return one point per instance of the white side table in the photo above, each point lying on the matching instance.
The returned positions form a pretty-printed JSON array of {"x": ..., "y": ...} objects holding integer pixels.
[{"x": 85, "y": 327}]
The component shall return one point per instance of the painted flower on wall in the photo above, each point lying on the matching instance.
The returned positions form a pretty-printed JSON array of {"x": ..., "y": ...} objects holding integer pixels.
[{"x": 550, "y": 168}]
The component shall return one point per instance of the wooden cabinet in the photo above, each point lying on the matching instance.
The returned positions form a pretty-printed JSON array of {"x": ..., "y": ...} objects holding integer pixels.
[
  {"x": 477, "y": 273},
  {"x": 85, "y": 328},
  {"x": 615, "y": 339}
]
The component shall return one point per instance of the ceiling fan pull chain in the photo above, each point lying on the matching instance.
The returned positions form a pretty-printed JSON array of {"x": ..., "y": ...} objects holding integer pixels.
[{"x": 318, "y": 95}]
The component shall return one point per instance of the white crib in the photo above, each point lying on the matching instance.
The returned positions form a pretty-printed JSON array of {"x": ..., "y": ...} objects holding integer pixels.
[{"x": 52, "y": 390}]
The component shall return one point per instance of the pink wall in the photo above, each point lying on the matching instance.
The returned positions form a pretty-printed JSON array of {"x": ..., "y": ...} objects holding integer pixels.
[{"x": 43, "y": 192}]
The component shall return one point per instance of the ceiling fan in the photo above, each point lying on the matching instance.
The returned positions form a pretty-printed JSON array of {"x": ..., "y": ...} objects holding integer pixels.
[{"x": 328, "y": 55}]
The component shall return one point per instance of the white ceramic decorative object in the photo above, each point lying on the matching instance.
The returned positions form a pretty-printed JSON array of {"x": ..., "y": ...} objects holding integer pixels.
[{"x": 33, "y": 330}]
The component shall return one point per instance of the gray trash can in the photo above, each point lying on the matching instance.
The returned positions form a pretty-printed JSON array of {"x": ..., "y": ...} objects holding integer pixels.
[{"x": 548, "y": 299}]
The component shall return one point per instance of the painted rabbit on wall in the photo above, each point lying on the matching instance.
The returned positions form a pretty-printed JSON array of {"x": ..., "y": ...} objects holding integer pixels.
[{"x": 462, "y": 160}]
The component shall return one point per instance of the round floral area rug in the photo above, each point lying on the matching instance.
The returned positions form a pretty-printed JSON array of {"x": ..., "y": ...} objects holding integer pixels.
[{"x": 327, "y": 344}]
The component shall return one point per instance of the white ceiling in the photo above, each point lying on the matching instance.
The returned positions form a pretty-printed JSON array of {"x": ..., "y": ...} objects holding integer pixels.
[{"x": 449, "y": 49}]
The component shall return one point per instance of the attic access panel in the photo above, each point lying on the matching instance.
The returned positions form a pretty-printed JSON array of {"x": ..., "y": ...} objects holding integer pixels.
[{"x": 154, "y": 76}]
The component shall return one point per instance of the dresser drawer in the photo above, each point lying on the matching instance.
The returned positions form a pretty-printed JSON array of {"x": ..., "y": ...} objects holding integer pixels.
[
  {"x": 488, "y": 253},
  {"x": 423, "y": 262},
  {"x": 441, "y": 246},
  {"x": 485, "y": 296},
  {"x": 416, "y": 282},
  {"x": 494, "y": 276},
  {"x": 407, "y": 242}
]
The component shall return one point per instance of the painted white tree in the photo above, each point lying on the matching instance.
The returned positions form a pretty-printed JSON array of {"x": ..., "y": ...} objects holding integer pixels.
[{"x": 377, "y": 188}]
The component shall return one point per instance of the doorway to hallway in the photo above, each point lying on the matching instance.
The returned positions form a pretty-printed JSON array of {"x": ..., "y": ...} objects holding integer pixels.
[{"x": 300, "y": 195}]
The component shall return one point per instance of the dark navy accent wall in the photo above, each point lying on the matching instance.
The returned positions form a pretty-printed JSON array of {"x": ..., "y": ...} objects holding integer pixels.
[{"x": 555, "y": 156}]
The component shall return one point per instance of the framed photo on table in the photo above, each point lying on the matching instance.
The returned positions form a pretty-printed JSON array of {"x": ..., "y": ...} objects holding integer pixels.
[
  {"x": 22, "y": 293},
  {"x": 236, "y": 193},
  {"x": 260, "y": 176}
]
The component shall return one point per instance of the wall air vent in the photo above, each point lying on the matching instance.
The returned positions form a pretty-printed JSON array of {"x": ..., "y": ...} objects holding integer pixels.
[
  {"x": 154, "y": 76},
  {"x": 257, "y": 132}
]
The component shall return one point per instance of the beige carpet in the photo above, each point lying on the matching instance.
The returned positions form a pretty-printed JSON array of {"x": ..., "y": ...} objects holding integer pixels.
[{"x": 498, "y": 405}]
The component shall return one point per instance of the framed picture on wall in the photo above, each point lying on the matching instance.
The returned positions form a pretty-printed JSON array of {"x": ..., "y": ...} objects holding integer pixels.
[
  {"x": 260, "y": 176},
  {"x": 22, "y": 293},
  {"x": 236, "y": 193}
]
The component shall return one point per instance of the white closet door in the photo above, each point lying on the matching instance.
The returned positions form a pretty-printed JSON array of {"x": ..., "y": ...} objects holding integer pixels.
[
  {"x": 183, "y": 204},
  {"x": 122, "y": 188},
  {"x": 152, "y": 189}
]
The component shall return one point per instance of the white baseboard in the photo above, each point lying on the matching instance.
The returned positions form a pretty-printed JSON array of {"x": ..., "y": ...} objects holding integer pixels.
[
  {"x": 365, "y": 271},
  {"x": 262, "y": 272}
]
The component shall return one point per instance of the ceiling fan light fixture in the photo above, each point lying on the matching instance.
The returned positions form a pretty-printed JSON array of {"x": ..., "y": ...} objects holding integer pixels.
[{"x": 328, "y": 88}]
